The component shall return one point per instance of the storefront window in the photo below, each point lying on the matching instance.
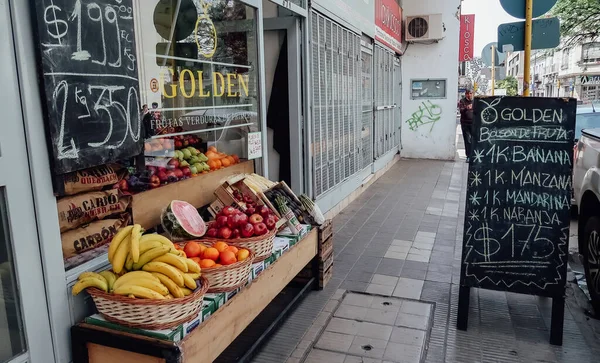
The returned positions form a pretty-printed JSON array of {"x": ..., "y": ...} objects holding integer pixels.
[
  {"x": 199, "y": 78},
  {"x": 590, "y": 93},
  {"x": 428, "y": 88},
  {"x": 590, "y": 53},
  {"x": 12, "y": 341}
]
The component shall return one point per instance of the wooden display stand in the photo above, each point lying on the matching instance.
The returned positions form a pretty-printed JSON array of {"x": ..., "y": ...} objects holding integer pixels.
[
  {"x": 92, "y": 344},
  {"x": 197, "y": 191}
]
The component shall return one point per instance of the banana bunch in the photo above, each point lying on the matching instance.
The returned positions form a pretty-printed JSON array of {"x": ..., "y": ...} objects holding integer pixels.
[{"x": 143, "y": 266}]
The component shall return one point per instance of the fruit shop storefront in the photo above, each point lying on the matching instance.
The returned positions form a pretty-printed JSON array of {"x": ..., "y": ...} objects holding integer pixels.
[{"x": 131, "y": 123}]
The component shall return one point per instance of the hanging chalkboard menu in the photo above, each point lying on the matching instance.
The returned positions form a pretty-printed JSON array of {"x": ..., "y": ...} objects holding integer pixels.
[
  {"x": 518, "y": 205},
  {"x": 89, "y": 81}
]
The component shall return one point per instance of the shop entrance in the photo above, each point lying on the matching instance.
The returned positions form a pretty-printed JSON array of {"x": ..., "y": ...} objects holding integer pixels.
[
  {"x": 283, "y": 79},
  {"x": 24, "y": 322}
]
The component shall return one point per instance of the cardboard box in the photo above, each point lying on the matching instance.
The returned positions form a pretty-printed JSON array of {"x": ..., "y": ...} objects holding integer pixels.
[
  {"x": 281, "y": 244},
  {"x": 286, "y": 232},
  {"x": 229, "y": 295},
  {"x": 257, "y": 269},
  {"x": 208, "y": 308},
  {"x": 268, "y": 261},
  {"x": 217, "y": 299},
  {"x": 172, "y": 335}
]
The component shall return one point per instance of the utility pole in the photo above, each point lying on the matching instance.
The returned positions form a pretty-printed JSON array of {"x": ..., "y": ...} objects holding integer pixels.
[
  {"x": 493, "y": 69},
  {"x": 528, "y": 23}
]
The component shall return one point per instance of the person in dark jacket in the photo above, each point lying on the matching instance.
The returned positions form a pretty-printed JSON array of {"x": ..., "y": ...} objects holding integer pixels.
[{"x": 465, "y": 107}]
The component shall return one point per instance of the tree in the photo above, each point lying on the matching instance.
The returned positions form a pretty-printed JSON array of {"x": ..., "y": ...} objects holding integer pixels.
[
  {"x": 579, "y": 20},
  {"x": 511, "y": 85}
]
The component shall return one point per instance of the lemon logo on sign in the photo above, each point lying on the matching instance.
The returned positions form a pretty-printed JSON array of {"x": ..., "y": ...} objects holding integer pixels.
[{"x": 205, "y": 32}]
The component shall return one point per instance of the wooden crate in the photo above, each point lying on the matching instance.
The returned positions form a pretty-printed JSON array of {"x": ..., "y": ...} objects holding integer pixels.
[
  {"x": 326, "y": 247},
  {"x": 325, "y": 277},
  {"x": 325, "y": 231}
]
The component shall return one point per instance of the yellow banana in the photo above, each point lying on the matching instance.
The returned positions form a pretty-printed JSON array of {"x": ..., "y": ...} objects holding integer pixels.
[
  {"x": 149, "y": 284},
  {"x": 192, "y": 266},
  {"x": 129, "y": 262},
  {"x": 157, "y": 237},
  {"x": 186, "y": 291},
  {"x": 189, "y": 282},
  {"x": 194, "y": 275},
  {"x": 110, "y": 278},
  {"x": 169, "y": 297},
  {"x": 136, "y": 233},
  {"x": 165, "y": 269},
  {"x": 117, "y": 240},
  {"x": 150, "y": 255},
  {"x": 172, "y": 286},
  {"x": 148, "y": 245},
  {"x": 133, "y": 276},
  {"x": 90, "y": 282},
  {"x": 131, "y": 296},
  {"x": 138, "y": 291},
  {"x": 173, "y": 260},
  {"x": 118, "y": 261},
  {"x": 88, "y": 274}
]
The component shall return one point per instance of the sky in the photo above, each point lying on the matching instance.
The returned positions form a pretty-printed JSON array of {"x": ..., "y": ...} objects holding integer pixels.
[{"x": 488, "y": 15}]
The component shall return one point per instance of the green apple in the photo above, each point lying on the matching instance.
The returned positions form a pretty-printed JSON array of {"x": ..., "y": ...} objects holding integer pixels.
[
  {"x": 183, "y": 164},
  {"x": 187, "y": 154},
  {"x": 193, "y": 169}
]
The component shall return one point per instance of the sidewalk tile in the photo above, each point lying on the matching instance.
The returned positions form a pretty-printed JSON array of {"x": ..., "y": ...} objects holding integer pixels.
[
  {"x": 368, "y": 347},
  {"x": 380, "y": 289},
  {"x": 384, "y": 280},
  {"x": 321, "y": 356},
  {"x": 408, "y": 336},
  {"x": 408, "y": 288},
  {"x": 334, "y": 341}
]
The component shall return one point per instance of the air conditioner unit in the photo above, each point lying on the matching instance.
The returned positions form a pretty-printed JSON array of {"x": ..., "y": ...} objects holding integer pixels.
[{"x": 424, "y": 28}]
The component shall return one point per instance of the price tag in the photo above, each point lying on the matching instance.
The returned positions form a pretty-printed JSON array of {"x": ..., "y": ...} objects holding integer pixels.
[{"x": 254, "y": 145}]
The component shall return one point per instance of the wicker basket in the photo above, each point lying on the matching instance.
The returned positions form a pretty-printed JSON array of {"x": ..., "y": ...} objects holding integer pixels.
[
  {"x": 147, "y": 313},
  {"x": 262, "y": 246},
  {"x": 230, "y": 277}
]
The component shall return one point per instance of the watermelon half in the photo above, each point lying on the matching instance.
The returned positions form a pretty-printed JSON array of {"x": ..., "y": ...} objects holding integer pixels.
[{"x": 182, "y": 221}]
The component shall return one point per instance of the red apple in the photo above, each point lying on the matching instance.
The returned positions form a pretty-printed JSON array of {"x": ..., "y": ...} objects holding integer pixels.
[
  {"x": 162, "y": 176},
  {"x": 186, "y": 171},
  {"x": 264, "y": 211},
  {"x": 236, "y": 233},
  {"x": 256, "y": 218},
  {"x": 247, "y": 230},
  {"x": 270, "y": 222},
  {"x": 242, "y": 219},
  {"x": 227, "y": 211},
  {"x": 178, "y": 173},
  {"x": 152, "y": 169},
  {"x": 173, "y": 163},
  {"x": 250, "y": 211},
  {"x": 225, "y": 232},
  {"x": 178, "y": 144},
  {"x": 154, "y": 181},
  {"x": 222, "y": 221},
  {"x": 212, "y": 232},
  {"x": 233, "y": 221},
  {"x": 260, "y": 229}
]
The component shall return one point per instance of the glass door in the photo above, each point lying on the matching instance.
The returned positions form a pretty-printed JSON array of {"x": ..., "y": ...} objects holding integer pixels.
[{"x": 24, "y": 322}]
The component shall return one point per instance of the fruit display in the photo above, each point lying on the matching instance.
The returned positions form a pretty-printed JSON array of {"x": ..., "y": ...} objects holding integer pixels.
[
  {"x": 286, "y": 212},
  {"x": 182, "y": 221},
  {"x": 218, "y": 160},
  {"x": 143, "y": 267},
  {"x": 166, "y": 144},
  {"x": 231, "y": 223},
  {"x": 220, "y": 254}
]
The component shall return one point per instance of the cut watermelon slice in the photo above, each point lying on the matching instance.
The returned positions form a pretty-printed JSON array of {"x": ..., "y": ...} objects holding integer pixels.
[{"x": 182, "y": 221}]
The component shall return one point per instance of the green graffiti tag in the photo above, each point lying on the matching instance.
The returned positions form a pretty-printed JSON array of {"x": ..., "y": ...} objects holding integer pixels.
[{"x": 427, "y": 114}]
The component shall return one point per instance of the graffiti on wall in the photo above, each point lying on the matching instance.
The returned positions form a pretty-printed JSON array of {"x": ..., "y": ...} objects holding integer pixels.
[{"x": 427, "y": 114}]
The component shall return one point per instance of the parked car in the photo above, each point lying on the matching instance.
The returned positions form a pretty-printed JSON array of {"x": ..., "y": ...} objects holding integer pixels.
[{"x": 586, "y": 191}]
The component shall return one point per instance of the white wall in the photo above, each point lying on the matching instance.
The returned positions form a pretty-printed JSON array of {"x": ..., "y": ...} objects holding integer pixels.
[{"x": 432, "y": 61}]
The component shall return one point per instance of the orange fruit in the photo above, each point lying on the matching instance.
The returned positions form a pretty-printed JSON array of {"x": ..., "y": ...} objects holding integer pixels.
[
  {"x": 218, "y": 163},
  {"x": 212, "y": 148},
  {"x": 231, "y": 160},
  {"x": 211, "y": 253},
  {"x": 198, "y": 260},
  {"x": 206, "y": 263},
  {"x": 217, "y": 265},
  {"x": 221, "y": 246},
  {"x": 236, "y": 158},
  {"x": 192, "y": 249},
  {"x": 243, "y": 254},
  {"x": 227, "y": 258},
  {"x": 211, "y": 155},
  {"x": 232, "y": 249},
  {"x": 225, "y": 162},
  {"x": 213, "y": 164}
]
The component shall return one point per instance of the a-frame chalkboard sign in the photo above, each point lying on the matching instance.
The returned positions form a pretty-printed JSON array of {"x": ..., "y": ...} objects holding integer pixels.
[
  {"x": 89, "y": 82},
  {"x": 517, "y": 214}
]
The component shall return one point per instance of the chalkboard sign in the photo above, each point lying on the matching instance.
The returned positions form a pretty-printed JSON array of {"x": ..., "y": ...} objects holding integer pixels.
[
  {"x": 517, "y": 215},
  {"x": 89, "y": 81}
]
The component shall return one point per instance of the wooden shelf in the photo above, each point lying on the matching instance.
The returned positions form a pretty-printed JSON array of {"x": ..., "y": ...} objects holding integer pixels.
[
  {"x": 199, "y": 191},
  {"x": 92, "y": 344}
]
